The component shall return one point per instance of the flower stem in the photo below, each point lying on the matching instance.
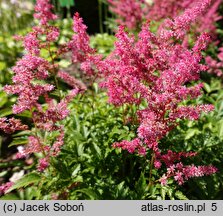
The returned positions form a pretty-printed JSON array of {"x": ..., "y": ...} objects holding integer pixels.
[{"x": 150, "y": 170}]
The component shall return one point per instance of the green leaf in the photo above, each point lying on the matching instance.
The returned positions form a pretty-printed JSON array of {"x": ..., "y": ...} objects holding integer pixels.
[
  {"x": 5, "y": 112},
  {"x": 191, "y": 132},
  {"x": 220, "y": 128},
  {"x": 4, "y": 98},
  {"x": 163, "y": 193},
  {"x": 18, "y": 141},
  {"x": 89, "y": 192},
  {"x": 121, "y": 191},
  {"x": 141, "y": 186},
  {"x": 180, "y": 195},
  {"x": 207, "y": 88},
  {"x": 26, "y": 114},
  {"x": 95, "y": 86},
  {"x": 3, "y": 173},
  {"x": 76, "y": 170},
  {"x": 170, "y": 193},
  {"x": 10, "y": 197},
  {"x": 96, "y": 149},
  {"x": 22, "y": 133},
  {"x": 28, "y": 179},
  {"x": 2, "y": 65}
]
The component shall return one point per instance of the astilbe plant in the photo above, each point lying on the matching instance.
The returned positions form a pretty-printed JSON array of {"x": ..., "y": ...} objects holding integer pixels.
[
  {"x": 205, "y": 19},
  {"x": 132, "y": 13},
  {"x": 215, "y": 65},
  {"x": 36, "y": 81},
  {"x": 154, "y": 74}
]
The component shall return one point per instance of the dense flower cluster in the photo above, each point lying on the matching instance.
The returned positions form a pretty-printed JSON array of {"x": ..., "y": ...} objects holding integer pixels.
[
  {"x": 130, "y": 12},
  {"x": 27, "y": 70},
  {"x": 155, "y": 73},
  {"x": 11, "y": 125},
  {"x": 70, "y": 80},
  {"x": 182, "y": 23},
  {"x": 215, "y": 65},
  {"x": 32, "y": 75},
  {"x": 181, "y": 173},
  {"x": 82, "y": 53},
  {"x": 43, "y": 11},
  {"x": 162, "y": 9},
  {"x": 5, "y": 187}
]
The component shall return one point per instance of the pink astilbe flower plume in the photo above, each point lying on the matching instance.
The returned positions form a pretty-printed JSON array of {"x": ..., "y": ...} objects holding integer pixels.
[
  {"x": 5, "y": 187},
  {"x": 32, "y": 74},
  {"x": 152, "y": 73},
  {"x": 71, "y": 81},
  {"x": 182, "y": 173},
  {"x": 79, "y": 44},
  {"x": 215, "y": 66},
  {"x": 130, "y": 12},
  {"x": 182, "y": 23},
  {"x": 82, "y": 53},
  {"x": 162, "y": 9},
  {"x": 43, "y": 164},
  {"x": 28, "y": 69},
  {"x": 11, "y": 125},
  {"x": 34, "y": 146},
  {"x": 203, "y": 20},
  {"x": 43, "y": 11}
]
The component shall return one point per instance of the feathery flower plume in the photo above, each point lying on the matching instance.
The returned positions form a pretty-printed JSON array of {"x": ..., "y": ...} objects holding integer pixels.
[
  {"x": 82, "y": 53},
  {"x": 31, "y": 75},
  {"x": 152, "y": 73},
  {"x": 130, "y": 12},
  {"x": 11, "y": 125}
]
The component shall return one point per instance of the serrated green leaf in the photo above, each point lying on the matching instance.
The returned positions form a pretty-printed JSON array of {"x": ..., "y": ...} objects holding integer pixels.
[
  {"x": 89, "y": 192},
  {"x": 170, "y": 193},
  {"x": 180, "y": 195},
  {"x": 76, "y": 170},
  {"x": 25, "y": 181},
  {"x": 141, "y": 186},
  {"x": 163, "y": 193},
  {"x": 96, "y": 149}
]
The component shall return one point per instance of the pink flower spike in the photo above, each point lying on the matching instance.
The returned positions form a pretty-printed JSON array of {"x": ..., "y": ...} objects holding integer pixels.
[
  {"x": 43, "y": 11},
  {"x": 5, "y": 187},
  {"x": 157, "y": 164},
  {"x": 43, "y": 164},
  {"x": 163, "y": 180},
  {"x": 11, "y": 125}
]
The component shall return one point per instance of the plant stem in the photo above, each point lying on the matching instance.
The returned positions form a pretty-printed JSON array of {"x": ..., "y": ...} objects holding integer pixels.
[
  {"x": 150, "y": 170},
  {"x": 54, "y": 70},
  {"x": 100, "y": 16}
]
